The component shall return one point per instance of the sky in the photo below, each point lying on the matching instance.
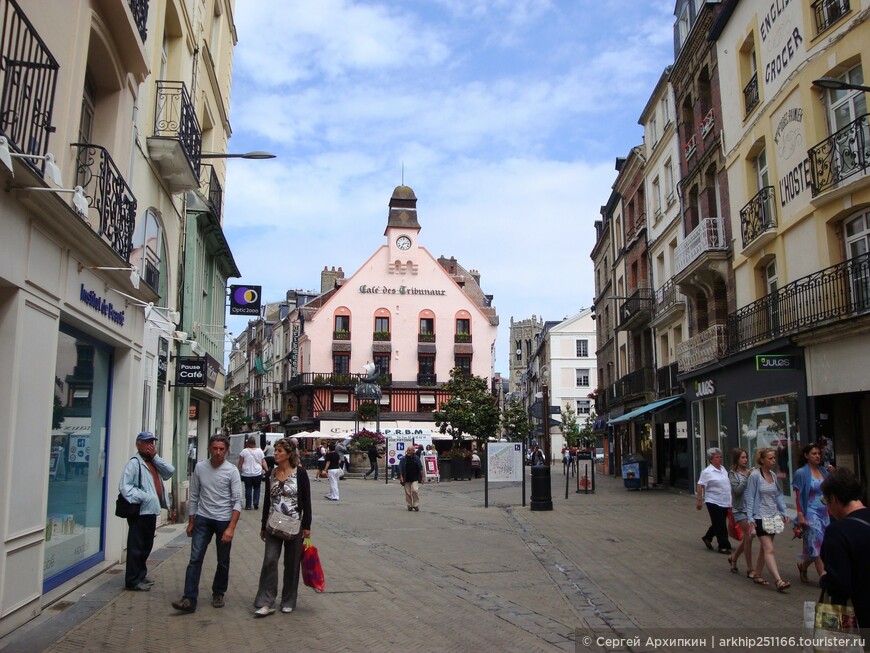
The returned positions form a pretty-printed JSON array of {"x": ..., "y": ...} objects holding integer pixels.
[{"x": 505, "y": 116}]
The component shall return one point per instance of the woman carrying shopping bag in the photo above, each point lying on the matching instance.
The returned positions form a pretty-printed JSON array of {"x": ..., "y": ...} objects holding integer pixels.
[{"x": 286, "y": 523}]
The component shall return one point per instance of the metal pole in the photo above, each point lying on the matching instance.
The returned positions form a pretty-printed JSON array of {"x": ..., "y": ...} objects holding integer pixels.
[
  {"x": 567, "y": 480},
  {"x": 545, "y": 435},
  {"x": 523, "y": 461}
]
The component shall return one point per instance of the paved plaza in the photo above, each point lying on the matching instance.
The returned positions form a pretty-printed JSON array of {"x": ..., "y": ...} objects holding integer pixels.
[{"x": 455, "y": 576}]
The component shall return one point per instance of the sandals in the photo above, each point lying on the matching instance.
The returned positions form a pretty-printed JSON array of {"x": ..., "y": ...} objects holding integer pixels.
[
  {"x": 782, "y": 585},
  {"x": 755, "y": 578},
  {"x": 733, "y": 563},
  {"x": 803, "y": 573}
]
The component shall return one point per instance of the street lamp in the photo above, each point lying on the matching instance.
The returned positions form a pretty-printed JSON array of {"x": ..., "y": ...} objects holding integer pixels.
[
  {"x": 839, "y": 85},
  {"x": 256, "y": 154}
]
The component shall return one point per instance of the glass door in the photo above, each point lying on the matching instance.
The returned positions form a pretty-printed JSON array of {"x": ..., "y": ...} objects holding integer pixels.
[{"x": 76, "y": 490}]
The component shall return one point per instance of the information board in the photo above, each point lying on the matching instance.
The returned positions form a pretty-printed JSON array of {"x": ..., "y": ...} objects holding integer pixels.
[{"x": 504, "y": 461}]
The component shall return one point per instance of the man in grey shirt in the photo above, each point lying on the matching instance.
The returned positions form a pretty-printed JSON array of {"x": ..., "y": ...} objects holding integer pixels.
[{"x": 214, "y": 507}]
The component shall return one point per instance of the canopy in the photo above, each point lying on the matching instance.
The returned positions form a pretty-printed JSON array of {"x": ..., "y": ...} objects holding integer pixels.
[
  {"x": 643, "y": 410},
  {"x": 318, "y": 435}
]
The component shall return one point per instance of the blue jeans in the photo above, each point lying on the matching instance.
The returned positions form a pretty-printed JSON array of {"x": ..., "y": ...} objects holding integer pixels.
[
  {"x": 203, "y": 529},
  {"x": 252, "y": 487}
]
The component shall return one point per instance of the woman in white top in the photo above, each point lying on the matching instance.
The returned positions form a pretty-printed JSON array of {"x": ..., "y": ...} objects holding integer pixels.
[
  {"x": 714, "y": 490},
  {"x": 252, "y": 464}
]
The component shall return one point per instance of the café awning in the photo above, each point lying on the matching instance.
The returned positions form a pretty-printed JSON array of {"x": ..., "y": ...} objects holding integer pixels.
[{"x": 644, "y": 410}]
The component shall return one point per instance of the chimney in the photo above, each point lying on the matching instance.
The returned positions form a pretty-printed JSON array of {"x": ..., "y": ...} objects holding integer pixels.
[{"x": 327, "y": 279}]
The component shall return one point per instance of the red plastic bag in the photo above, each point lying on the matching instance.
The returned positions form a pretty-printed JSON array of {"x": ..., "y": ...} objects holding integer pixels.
[
  {"x": 734, "y": 531},
  {"x": 312, "y": 572}
]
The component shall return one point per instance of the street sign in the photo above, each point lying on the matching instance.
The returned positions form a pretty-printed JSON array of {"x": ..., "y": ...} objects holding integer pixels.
[{"x": 776, "y": 362}]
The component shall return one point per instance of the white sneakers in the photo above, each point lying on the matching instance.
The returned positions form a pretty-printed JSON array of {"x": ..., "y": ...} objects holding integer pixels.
[
  {"x": 286, "y": 610},
  {"x": 265, "y": 611}
]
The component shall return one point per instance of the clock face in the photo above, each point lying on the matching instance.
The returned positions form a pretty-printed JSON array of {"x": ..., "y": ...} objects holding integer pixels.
[{"x": 403, "y": 242}]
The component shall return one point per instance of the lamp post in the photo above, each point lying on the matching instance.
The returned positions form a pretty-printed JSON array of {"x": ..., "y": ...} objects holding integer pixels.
[{"x": 839, "y": 85}]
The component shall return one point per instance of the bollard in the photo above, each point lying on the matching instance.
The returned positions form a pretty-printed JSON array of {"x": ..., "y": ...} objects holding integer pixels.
[{"x": 541, "y": 493}]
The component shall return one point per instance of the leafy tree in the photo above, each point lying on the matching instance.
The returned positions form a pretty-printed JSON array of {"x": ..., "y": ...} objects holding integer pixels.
[
  {"x": 586, "y": 437},
  {"x": 470, "y": 409},
  {"x": 233, "y": 412},
  {"x": 569, "y": 426},
  {"x": 515, "y": 421}
]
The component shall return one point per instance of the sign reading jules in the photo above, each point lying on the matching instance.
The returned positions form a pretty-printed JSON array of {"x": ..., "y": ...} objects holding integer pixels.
[
  {"x": 190, "y": 371},
  {"x": 245, "y": 300}
]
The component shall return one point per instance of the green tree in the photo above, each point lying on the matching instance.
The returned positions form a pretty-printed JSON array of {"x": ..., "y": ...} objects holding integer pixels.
[
  {"x": 471, "y": 408},
  {"x": 233, "y": 412},
  {"x": 570, "y": 429},
  {"x": 515, "y": 421},
  {"x": 586, "y": 437}
]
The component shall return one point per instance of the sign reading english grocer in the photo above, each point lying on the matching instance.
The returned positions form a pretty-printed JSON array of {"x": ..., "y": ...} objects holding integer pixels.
[{"x": 245, "y": 300}]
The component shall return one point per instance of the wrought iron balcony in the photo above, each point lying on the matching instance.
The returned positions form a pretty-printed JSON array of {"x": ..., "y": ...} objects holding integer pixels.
[
  {"x": 381, "y": 336},
  {"x": 841, "y": 155},
  {"x": 666, "y": 380},
  {"x": 639, "y": 381},
  {"x": 425, "y": 337},
  {"x": 828, "y": 12},
  {"x": 708, "y": 346},
  {"x": 758, "y": 218},
  {"x": 28, "y": 77},
  {"x": 829, "y": 295},
  {"x": 636, "y": 227},
  {"x": 210, "y": 188},
  {"x": 176, "y": 146},
  {"x": 708, "y": 123},
  {"x": 336, "y": 379},
  {"x": 667, "y": 298},
  {"x": 341, "y": 335},
  {"x": 109, "y": 197},
  {"x": 691, "y": 147},
  {"x": 708, "y": 236},
  {"x": 637, "y": 309},
  {"x": 462, "y": 337},
  {"x": 750, "y": 95},
  {"x": 139, "y": 9}
]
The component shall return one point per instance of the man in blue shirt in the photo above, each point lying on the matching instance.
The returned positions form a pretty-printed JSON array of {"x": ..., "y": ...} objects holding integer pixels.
[{"x": 142, "y": 483}]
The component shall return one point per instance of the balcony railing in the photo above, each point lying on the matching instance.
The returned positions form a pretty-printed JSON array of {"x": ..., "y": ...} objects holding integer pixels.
[
  {"x": 707, "y": 346},
  {"x": 109, "y": 195},
  {"x": 381, "y": 336},
  {"x": 341, "y": 335},
  {"x": 828, "y": 12},
  {"x": 637, "y": 382},
  {"x": 638, "y": 303},
  {"x": 425, "y": 337},
  {"x": 709, "y": 235},
  {"x": 841, "y": 155},
  {"x": 139, "y": 9},
  {"x": 666, "y": 380},
  {"x": 636, "y": 227},
  {"x": 690, "y": 147},
  {"x": 462, "y": 337},
  {"x": 708, "y": 123},
  {"x": 667, "y": 297},
  {"x": 835, "y": 293},
  {"x": 758, "y": 216},
  {"x": 28, "y": 78},
  {"x": 175, "y": 118},
  {"x": 152, "y": 275},
  {"x": 750, "y": 95},
  {"x": 211, "y": 187}
]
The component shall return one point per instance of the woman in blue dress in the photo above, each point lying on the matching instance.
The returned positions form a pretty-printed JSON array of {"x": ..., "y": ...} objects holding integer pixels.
[{"x": 812, "y": 514}]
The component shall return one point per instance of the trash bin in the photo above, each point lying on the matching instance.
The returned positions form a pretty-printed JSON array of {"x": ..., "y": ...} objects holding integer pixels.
[
  {"x": 542, "y": 498},
  {"x": 634, "y": 473}
]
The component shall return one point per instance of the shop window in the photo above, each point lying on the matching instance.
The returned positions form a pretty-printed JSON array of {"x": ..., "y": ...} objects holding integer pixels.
[
  {"x": 772, "y": 422},
  {"x": 76, "y": 490}
]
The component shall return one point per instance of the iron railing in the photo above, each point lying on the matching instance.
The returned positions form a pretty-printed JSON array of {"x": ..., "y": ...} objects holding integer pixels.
[
  {"x": 640, "y": 301},
  {"x": 667, "y": 297},
  {"x": 175, "y": 118},
  {"x": 758, "y": 216},
  {"x": 28, "y": 77},
  {"x": 636, "y": 227},
  {"x": 139, "y": 9},
  {"x": 709, "y": 235},
  {"x": 841, "y": 155},
  {"x": 341, "y": 335},
  {"x": 750, "y": 95},
  {"x": 209, "y": 182},
  {"x": 109, "y": 195},
  {"x": 709, "y": 345},
  {"x": 828, "y": 12},
  {"x": 425, "y": 337},
  {"x": 708, "y": 123},
  {"x": 461, "y": 337},
  {"x": 666, "y": 380},
  {"x": 835, "y": 293},
  {"x": 152, "y": 275},
  {"x": 637, "y": 382},
  {"x": 325, "y": 378}
]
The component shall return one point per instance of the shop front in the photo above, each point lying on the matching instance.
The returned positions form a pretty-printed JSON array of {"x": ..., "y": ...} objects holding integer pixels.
[{"x": 752, "y": 401}]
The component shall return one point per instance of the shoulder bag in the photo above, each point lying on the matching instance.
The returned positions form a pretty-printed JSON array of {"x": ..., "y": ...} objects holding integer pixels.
[
  {"x": 124, "y": 508},
  {"x": 279, "y": 525}
]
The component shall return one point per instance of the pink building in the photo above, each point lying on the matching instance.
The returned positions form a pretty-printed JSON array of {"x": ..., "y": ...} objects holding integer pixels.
[{"x": 414, "y": 316}]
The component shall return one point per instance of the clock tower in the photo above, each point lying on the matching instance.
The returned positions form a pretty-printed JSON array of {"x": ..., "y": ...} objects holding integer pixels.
[{"x": 402, "y": 231}]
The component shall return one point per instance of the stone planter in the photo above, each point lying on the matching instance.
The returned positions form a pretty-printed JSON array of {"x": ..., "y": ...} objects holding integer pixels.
[{"x": 359, "y": 462}]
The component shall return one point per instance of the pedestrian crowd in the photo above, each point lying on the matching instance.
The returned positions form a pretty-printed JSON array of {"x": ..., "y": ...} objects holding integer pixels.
[{"x": 746, "y": 503}]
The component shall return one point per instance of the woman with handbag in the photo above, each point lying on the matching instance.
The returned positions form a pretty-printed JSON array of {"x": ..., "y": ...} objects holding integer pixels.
[
  {"x": 765, "y": 508},
  {"x": 286, "y": 523},
  {"x": 739, "y": 475},
  {"x": 812, "y": 514}
]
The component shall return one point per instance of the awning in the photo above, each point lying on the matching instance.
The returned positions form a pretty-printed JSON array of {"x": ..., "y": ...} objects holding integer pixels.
[{"x": 643, "y": 410}]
